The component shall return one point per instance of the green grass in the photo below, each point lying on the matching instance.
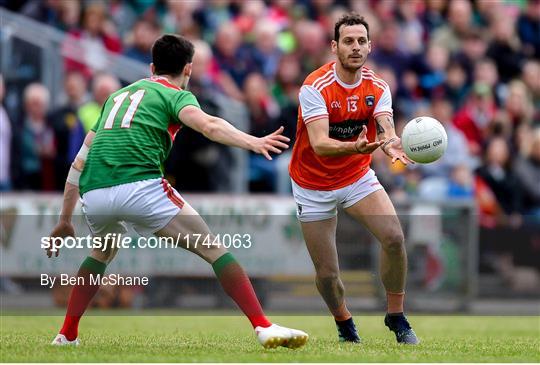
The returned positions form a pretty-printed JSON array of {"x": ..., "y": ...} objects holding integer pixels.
[{"x": 199, "y": 338}]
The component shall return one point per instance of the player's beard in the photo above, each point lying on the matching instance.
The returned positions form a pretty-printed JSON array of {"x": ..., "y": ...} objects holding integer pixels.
[{"x": 343, "y": 59}]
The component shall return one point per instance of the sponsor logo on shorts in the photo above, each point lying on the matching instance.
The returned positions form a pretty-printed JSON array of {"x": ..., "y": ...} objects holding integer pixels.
[{"x": 299, "y": 209}]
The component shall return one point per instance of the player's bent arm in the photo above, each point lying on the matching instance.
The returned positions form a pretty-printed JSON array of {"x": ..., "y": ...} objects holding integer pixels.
[
  {"x": 323, "y": 145},
  {"x": 71, "y": 189}
]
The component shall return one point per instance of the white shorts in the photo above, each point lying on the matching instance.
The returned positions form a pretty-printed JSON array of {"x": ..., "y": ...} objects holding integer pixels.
[
  {"x": 148, "y": 205},
  {"x": 318, "y": 205}
]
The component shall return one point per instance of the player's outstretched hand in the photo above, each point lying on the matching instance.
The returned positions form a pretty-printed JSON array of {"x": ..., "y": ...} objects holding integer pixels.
[
  {"x": 362, "y": 144},
  {"x": 274, "y": 142},
  {"x": 394, "y": 149},
  {"x": 62, "y": 229}
]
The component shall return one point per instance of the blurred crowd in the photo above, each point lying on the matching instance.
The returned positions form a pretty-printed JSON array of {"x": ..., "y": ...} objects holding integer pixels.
[{"x": 473, "y": 65}]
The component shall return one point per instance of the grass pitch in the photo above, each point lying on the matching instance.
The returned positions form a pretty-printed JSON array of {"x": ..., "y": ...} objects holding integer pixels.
[{"x": 202, "y": 338}]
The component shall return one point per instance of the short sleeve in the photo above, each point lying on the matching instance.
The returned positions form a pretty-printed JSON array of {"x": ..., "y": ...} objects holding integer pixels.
[
  {"x": 181, "y": 100},
  {"x": 312, "y": 104},
  {"x": 384, "y": 105}
]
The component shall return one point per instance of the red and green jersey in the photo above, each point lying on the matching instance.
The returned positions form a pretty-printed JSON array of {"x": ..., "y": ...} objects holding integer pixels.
[{"x": 134, "y": 133}]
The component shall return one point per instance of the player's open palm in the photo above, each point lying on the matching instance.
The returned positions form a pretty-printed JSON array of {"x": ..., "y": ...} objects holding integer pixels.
[
  {"x": 275, "y": 142},
  {"x": 62, "y": 229},
  {"x": 362, "y": 144},
  {"x": 394, "y": 150}
]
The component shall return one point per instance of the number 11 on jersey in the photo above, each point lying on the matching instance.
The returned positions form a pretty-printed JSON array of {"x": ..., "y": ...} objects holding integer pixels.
[{"x": 136, "y": 99}]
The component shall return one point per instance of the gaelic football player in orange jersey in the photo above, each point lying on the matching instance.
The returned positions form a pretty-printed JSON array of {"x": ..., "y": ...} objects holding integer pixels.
[{"x": 344, "y": 109}]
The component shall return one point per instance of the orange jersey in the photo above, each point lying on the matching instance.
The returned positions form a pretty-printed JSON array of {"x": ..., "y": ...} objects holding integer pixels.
[{"x": 348, "y": 108}]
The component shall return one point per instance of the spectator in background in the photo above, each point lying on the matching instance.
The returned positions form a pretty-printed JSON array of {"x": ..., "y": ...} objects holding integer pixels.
[
  {"x": 285, "y": 91},
  {"x": 411, "y": 30},
  {"x": 474, "y": 118},
  {"x": 87, "y": 48},
  {"x": 265, "y": 50},
  {"x": 211, "y": 17},
  {"x": 473, "y": 50},
  {"x": 144, "y": 33},
  {"x": 70, "y": 13},
  {"x": 263, "y": 113},
  {"x": 486, "y": 12},
  {"x": 262, "y": 107},
  {"x": 205, "y": 75},
  {"x": 386, "y": 52},
  {"x": 122, "y": 14},
  {"x": 504, "y": 49},
  {"x": 279, "y": 12},
  {"x": 433, "y": 78},
  {"x": 233, "y": 59},
  {"x": 103, "y": 85},
  {"x": 531, "y": 77},
  {"x": 287, "y": 81},
  {"x": 36, "y": 141},
  {"x": 455, "y": 86},
  {"x": 461, "y": 183},
  {"x": 250, "y": 13},
  {"x": 312, "y": 45},
  {"x": 528, "y": 28},
  {"x": 450, "y": 36},
  {"x": 527, "y": 170},
  {"x": 180, "y": 19},
  {"x": 496, "y": 172},
  {"x": 518, "y": 103},
  {"x": 68, "y": 130},
  {"x": 5, "y": 143},
  {"x": 432, "y": 17},
  {"x": 485, "y": 72}
]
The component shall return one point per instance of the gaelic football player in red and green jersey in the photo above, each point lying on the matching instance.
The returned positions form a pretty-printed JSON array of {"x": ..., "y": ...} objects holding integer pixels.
[{"x": 119, "y": 176}]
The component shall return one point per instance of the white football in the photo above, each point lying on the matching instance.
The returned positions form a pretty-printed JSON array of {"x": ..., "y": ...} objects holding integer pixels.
[{"x": 424, "y": 139}]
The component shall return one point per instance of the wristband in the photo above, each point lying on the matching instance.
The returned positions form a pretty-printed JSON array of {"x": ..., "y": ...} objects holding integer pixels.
[{"x": 73, "y": 176}]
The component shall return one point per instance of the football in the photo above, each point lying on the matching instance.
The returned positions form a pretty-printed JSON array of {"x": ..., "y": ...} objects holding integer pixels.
[{"x": 424, "y": 139}]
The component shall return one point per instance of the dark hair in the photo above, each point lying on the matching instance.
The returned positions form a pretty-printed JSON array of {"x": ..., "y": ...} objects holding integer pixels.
[
  {"x": 350, "y": 19},
  {"x": 170, "y": 53}
]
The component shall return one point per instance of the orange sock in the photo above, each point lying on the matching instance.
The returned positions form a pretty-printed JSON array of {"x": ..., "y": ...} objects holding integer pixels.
[
  {"x": 341, "y": 313},
  {"x": 395, "y": 302}
]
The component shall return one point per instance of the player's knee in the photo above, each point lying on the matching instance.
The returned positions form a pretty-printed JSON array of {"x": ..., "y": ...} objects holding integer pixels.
[
  {"x": 328, "y": 277},
  {"x": 394, "y": 241}
]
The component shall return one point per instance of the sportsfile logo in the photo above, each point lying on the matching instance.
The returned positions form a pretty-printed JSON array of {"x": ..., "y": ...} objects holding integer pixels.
[{"x": 119, "y": 240}]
